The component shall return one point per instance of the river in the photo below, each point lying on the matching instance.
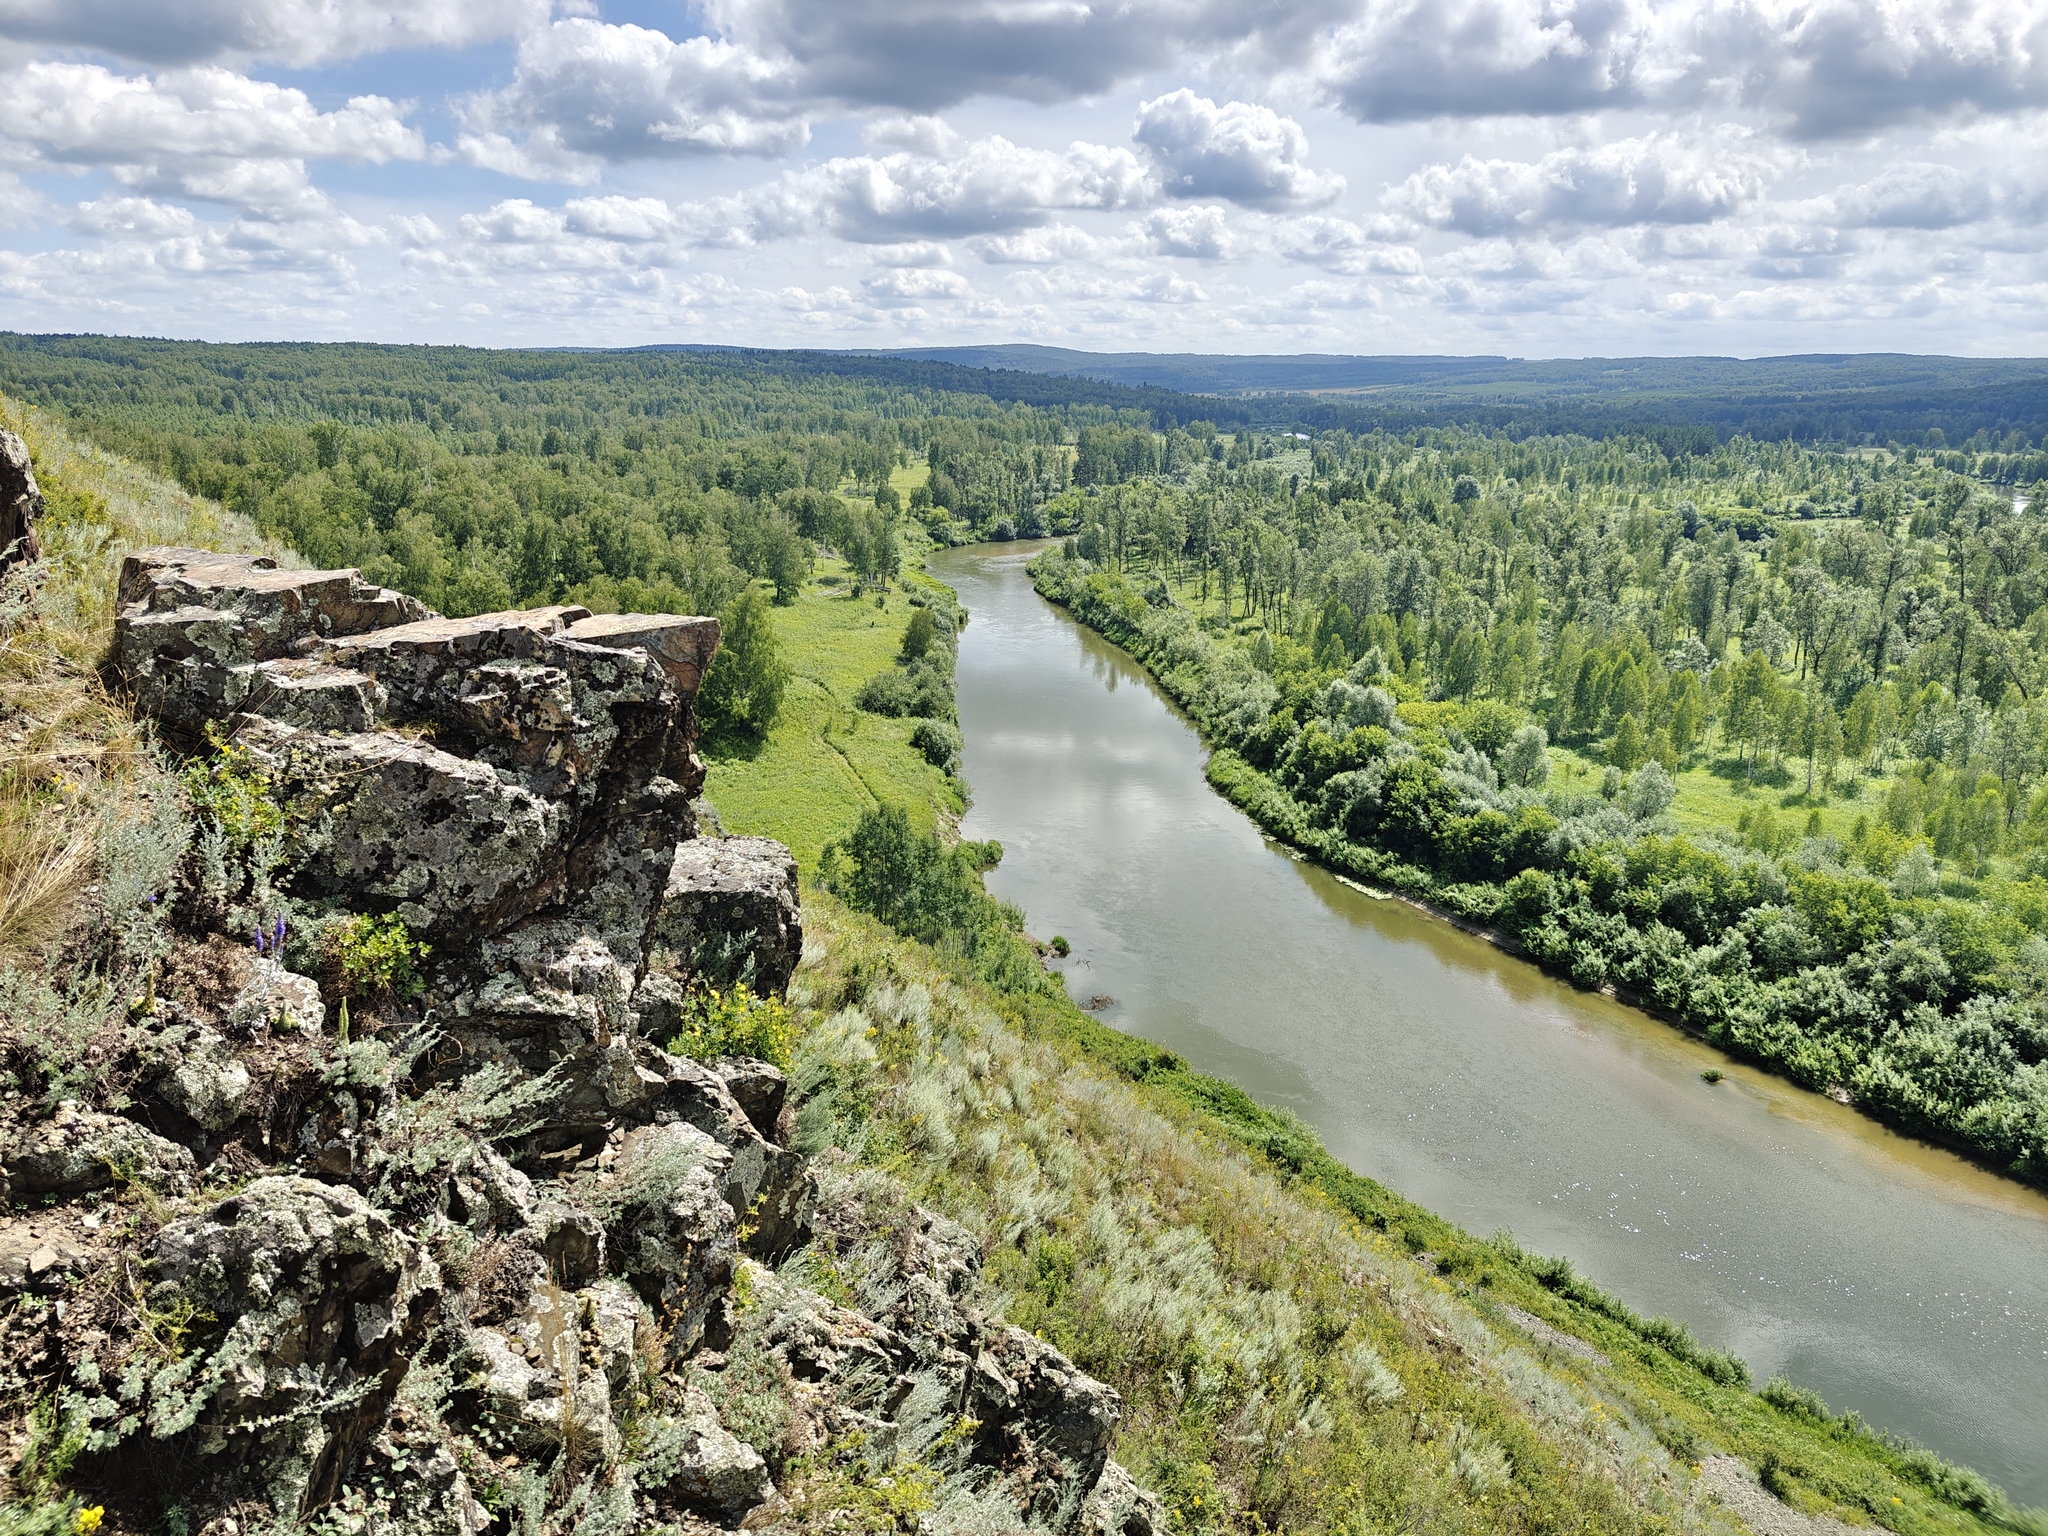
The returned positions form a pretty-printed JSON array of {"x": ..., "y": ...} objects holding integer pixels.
[{"x": 1892, "y": 1277}]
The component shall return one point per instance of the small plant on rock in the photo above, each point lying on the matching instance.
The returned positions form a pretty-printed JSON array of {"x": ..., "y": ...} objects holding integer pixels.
[
  {"x": 735, "y": 1022},
  {"x": 377, "y": 957}
]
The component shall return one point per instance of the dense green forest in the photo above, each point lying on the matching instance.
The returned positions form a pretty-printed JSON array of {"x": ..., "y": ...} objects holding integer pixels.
[
  {"x": 1757, "y": 735},
  {"x": 651, "y": 481}
]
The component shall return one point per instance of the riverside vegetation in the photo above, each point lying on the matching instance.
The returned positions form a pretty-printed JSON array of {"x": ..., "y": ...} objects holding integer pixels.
[
  {"x": 1755, "y": 736},
  {"x": 1295, "y": 1346}
]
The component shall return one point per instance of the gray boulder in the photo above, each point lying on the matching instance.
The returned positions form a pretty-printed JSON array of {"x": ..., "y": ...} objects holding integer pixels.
[
  {"x": 702, "y": 1466},
  {"x": 79, "y": 1150},
  {"x": 195, "y": 633},
  {"x": 204, "y": 1082},
  {"x": 322, "y": 1300},
  {"x": 277, "y": 999},
  {"x": 731, "y": 912},
  {"x": 21, "y": 503},
  {"x": 1119, "y": 1507},
  {"x": 672, "y": 1234}
]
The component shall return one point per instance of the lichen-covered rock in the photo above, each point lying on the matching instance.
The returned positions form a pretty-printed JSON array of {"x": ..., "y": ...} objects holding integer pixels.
[
  {"x": 1119, "y": 1507},
  {"x": 194, "y": 628},
  {"x": 1044, "y": 1420},
  {"x": 205, "y": 1082},
  {"x": 322, "y": 1300},
  {"x": 79, "y": 1150},
  {"x": 730, "y": 911},
  {"x": 21, "y": 503},
  {"x": 277, "y": 999},
  {"x": 445, "y": 841},
  {"x": 702, "y": 1466},
  {"x": 758, "y": 1087},
  {"x": 768, "y": 1186},
  {"x": 673, "y": 1235}
]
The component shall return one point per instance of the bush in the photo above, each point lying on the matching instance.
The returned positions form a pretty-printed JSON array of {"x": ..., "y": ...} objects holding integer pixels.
[
  {"x": 918, "y": 691},
  {"x": 939, "y": 743},
  {"x": 377, "y": 957},
  {"x": 735, "y": 1022}
]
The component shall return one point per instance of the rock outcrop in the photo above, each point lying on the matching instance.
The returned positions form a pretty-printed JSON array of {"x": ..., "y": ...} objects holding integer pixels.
[
  {"x": 497, "y": 1250},
  {"x": 21, "y": 503}
]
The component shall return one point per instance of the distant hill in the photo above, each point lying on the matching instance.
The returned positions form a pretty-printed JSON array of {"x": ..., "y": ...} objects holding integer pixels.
[{"x": 1820, "y": 396}]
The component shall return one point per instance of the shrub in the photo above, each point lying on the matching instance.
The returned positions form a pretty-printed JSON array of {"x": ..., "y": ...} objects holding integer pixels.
[
  {"x": 939, "y": 743},
  {"x": 377, "y": 957},
  {"x": 735, "y": 1022}
]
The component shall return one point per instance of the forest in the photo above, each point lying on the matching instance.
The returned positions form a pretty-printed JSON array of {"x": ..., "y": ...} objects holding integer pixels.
[{"x": 1755, "y": 736}]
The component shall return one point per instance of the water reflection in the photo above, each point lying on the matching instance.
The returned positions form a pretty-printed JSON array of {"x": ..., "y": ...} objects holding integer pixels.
[{"x": 1891, "y": 1276}]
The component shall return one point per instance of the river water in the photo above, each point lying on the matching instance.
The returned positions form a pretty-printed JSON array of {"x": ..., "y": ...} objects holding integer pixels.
[{"x": 1892, "y": 1277}]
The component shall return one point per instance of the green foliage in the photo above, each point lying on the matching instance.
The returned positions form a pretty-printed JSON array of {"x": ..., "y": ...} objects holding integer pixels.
[
  {"x": 1772, "y": 947},
  {"x": 744, "y": 687},
  {"x": 922, "y": 886},
  {"x": 377, "y": 956},
  {"x": 230, "y": 788},
  {"x": 734, "y": 1022}
]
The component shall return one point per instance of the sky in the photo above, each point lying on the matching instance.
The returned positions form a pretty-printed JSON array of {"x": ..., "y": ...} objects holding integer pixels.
[{"x": 1539, "y": 178}]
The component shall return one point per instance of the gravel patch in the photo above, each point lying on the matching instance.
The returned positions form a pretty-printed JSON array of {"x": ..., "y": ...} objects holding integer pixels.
[
  {"x": 1736, "y": 1485},
  {"x": 1533, "y": 1325}
]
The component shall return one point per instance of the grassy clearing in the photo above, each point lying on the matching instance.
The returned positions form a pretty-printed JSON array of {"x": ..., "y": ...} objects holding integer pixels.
[{"x": 825, "y": 761}]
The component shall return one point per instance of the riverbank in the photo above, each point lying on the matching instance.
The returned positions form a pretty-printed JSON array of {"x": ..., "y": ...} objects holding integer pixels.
[
  {"x": 1654, "y": 1373},
  {"x": 1898, "y": 1006}
]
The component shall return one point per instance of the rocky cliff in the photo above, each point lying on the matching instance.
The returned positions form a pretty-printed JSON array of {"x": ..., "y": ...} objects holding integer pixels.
[{"x": 444, "y": 1240}]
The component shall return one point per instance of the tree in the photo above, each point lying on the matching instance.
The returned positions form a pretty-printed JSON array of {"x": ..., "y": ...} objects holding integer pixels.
[
  {"x": 743, "y": 688},
  {"x": 1752, "y": 695},
  {"x": 1525, "y": 762},
  {"x": 919, "y": 635},
  {"x": 1628, "y": 749},
  {"x": 1827, "y": 746}
]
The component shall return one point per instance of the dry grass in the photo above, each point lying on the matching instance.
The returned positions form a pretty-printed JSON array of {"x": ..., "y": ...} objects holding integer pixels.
[{"x": 72, "y": 756}]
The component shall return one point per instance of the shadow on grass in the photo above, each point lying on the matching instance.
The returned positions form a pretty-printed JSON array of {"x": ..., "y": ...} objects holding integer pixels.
[
  {"x": 1737, "y": 772},
  {"x": 731, "y": 747}
]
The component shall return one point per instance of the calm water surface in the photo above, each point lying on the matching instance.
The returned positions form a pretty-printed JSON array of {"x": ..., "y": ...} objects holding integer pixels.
[{"x": 1892, "y": 1277}]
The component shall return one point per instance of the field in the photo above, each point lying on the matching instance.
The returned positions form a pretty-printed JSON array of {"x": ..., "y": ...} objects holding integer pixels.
[{"x": 825, "y": 761}]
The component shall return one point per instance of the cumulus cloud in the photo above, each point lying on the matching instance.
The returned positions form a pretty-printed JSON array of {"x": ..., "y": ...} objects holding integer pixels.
[
  {"x": 1241, "y": 151},
  {"x": 1653, "y": 180},
  {"x": 991, "y": 187},
  {"x": 925, "y": 55},
  {"x": 1916, "y": 195},
  {"x": 1039, "y": 247},
  {"x": 205, "y": 133},
  {"x": 1204, "y": 233},
  {"x": 1821, "y": 68},
  {"x": 586, "y": 94},
  {"x": 296, "y": 32}
]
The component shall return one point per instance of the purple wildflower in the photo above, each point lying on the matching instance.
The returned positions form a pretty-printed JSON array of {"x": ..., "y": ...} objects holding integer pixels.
[
  {"x": 277, "y": 935},
  {"x": 259, "y": 939}
]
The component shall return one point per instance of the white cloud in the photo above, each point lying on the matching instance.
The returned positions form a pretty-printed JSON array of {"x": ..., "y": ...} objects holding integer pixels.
[
  {"x": 1654, "y": 180},
  {"x": 1821, "y": 68},
  {"x": 1203, "y": 232},
  {"x": 296, "y": 32},
  {"x": 992, "y": 186},
  {"x": 1915, "y": 195},
  {"x": 1039, "y": 247},
  {"x": 1240, "y": 151},
  {"x": 205, "y": 133},
  {"x": 899, "y": 286},
  {"x": 585, "y": 94}
]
